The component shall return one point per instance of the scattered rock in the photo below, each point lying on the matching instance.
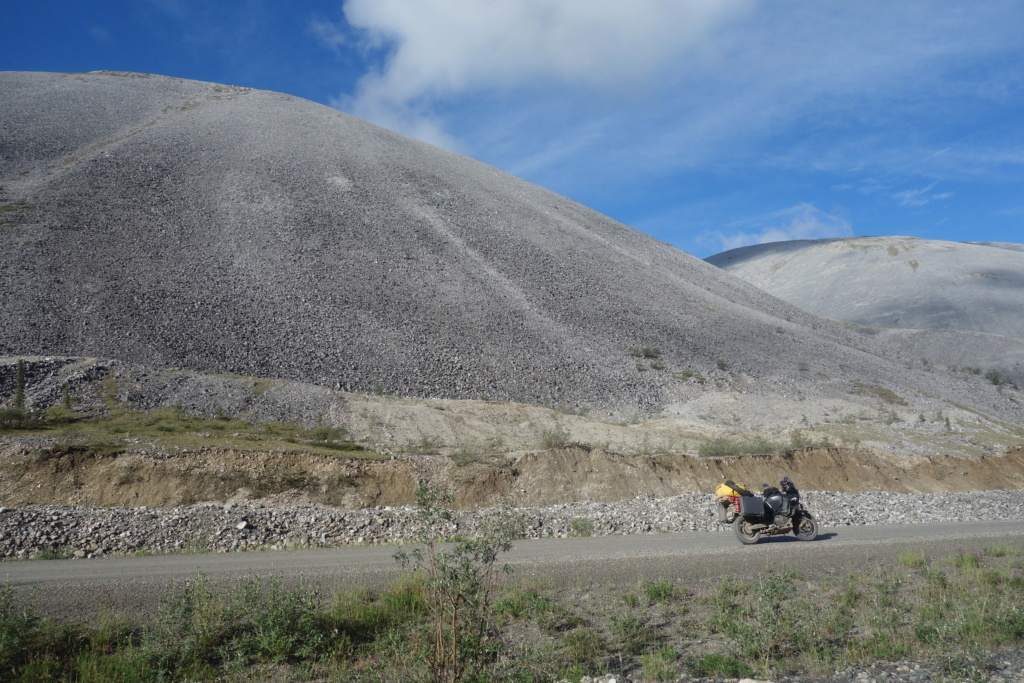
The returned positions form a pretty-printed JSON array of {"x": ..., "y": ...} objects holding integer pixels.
[{"x": 104, "y": 531}]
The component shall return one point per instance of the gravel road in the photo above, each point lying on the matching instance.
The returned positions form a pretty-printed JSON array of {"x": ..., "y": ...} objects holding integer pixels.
[{"x": 76, "y": 589}]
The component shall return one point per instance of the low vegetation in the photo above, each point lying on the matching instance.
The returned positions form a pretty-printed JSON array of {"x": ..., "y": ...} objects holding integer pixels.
[
  {"x": 648, "y": 352},
  {"x": 725, "y": 446},
  {"x": 171, "y": 428},
  {"x": 887, "y": 396},
  {"x": 449, "y": 618}
]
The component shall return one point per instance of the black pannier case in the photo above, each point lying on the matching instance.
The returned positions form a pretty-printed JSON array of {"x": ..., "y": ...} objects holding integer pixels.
[{"x": 752, "y": 506}]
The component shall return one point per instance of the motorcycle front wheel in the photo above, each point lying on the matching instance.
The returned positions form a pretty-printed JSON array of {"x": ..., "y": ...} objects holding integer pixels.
[
  {"x": 747, "y": 536},
  {"x": 806, "y": 529}
]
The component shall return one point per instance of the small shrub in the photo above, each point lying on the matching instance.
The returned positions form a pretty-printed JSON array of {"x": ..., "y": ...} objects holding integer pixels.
[
  {"x": 660, "y": 665},
  {"x": 522, "y": 604},
  {"x": 328, "y": 433},
  {"x": 555, "y": 436},
  {"x": 458, "y": 585},
  {"x": 635, "y": 634},
  {"x": 799, "y": 440},
  {"x": 54, "y": 554},
  {"x": 464, "y": 455},
  {"x": 581, "y": 526},
  {"x": 19, "y": 385},
  {"x": 886, "y": 395},
  {"x": 718, "y": 666},
  {"x": 661, "y": 592},
  {"x": 14, "y": 418},
  {"x": 18, "y": 626},
  {"x": 965, "y": 560},
  {"x": 584, "y": 648},
  {"x": 337, "y": 445},
  {"x": 995, "y": 377},
  {"x": 722, "y": 365},
  {"x": 646, "y": 352},
  {"x": 425, "y": 446},
  {"x": 913, "y": 559}
]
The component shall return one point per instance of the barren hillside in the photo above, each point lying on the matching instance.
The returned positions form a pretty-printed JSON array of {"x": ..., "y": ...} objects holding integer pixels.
[
  {"x": 195, "y": 237},
  {"x": 958, "y": 304}
]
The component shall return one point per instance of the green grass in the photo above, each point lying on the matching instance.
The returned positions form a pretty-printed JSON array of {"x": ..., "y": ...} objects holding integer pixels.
[
  {"x": 913, "y": 559},
  {"x": 174, "y": 429},
  {"x": 943, "y": 612}
]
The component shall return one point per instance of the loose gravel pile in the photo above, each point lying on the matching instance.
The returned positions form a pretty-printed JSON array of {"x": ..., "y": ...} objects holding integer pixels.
[
  {"x": 179, "y": 224},
  {"x": 97, "y": 532}
]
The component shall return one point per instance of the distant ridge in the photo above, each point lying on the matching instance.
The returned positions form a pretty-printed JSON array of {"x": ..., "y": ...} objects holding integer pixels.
[{"x": 959, "y": 304}]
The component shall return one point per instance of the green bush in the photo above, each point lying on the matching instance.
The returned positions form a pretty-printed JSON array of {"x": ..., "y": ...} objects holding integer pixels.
[
  {"x": 14, "y": 418},
  {"x": 581, "y": 526},
  {"x": 555, "y": 436},
  {"x": 799, "y": 440},
  {"x": 995, "y": 377},
  {"x": 458, "y": 585},
  {"x": 718, "y": 666}
]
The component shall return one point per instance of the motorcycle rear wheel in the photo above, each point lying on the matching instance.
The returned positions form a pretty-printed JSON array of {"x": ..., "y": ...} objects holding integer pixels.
[
  {"x": 747, "y": 536},
  {"x": 805, "y": 528}
]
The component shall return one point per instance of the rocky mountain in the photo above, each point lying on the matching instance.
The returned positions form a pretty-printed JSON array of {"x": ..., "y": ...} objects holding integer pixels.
[
  {"x": 958, "y": 304},
  {"x": 177, "y": 224}
]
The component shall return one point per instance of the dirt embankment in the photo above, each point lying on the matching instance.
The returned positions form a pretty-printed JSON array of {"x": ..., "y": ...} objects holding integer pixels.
[{"x": 538, "y": 478}]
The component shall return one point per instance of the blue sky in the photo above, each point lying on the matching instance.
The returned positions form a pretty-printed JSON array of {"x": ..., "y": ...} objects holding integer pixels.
[{"x": 708, "y": 124}]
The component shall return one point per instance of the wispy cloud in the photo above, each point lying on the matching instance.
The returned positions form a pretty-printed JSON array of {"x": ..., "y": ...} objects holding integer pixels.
[
  {"x": 329, "y": 35},
  {"x": 800, "y": 222},
  {"x": 99, "y": 34},
  {"x": 920, "y": 197},
  {"x": 698, "y": 77}
]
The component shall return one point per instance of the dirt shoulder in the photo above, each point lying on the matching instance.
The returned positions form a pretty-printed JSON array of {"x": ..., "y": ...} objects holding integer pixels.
[{"x": 55, "y": 476}]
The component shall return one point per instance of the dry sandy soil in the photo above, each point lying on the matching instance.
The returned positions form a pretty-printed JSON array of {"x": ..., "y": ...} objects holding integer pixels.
[{"x": 485, "y": 452}]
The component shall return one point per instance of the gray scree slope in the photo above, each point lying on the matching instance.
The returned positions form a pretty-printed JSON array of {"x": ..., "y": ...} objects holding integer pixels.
[
  {"x": 176, "y": 223},
  {"x": 953, "y": 303}
]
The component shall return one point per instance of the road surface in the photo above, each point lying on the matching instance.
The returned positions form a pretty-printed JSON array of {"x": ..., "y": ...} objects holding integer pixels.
[{"x": 80, "y": 589}]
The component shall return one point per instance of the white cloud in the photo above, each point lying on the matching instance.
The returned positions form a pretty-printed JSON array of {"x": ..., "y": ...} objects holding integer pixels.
[
  {"x": 800, "y": 222},
  {"x": 672, "y": 84},
  {"x": 442, "y": 48}
]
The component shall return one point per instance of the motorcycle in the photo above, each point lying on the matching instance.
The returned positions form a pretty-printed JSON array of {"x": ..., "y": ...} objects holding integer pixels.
[{"x": 777, "y": 511}]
